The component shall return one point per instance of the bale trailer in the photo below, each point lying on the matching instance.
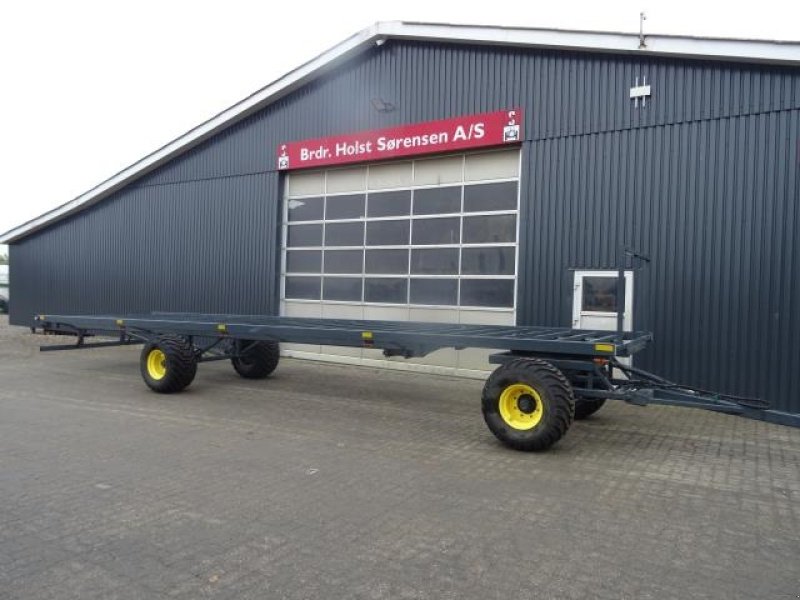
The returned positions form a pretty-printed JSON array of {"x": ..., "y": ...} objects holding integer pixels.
[{"x": 546, "y": 377}]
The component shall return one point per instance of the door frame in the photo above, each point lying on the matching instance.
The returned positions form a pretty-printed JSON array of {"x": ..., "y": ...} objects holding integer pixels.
[{"x": 577, "y": 296}]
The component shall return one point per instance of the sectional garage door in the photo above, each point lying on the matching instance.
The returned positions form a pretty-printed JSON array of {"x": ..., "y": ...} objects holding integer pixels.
[{"x": 424, "y": 240}]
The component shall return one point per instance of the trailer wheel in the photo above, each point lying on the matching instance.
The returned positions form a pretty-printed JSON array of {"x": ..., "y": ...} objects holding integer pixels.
[
  {"x": 528, "y": 404},
  {"x": 586, "y": 408},
  {"x": 168, "y": 364},
  {"x": 259, "y": 360}
]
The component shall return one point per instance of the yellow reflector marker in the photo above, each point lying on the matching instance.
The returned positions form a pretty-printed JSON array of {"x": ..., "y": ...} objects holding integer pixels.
[
  {"x": 366, "y": 335},
  {"x": 222, "y": 328},
  {"x": 604, "y": 347}
]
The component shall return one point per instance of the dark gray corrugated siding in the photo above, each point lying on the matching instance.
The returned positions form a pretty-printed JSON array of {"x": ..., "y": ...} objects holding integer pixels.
[
  {"x": 204, "y": 245},
  {"x": 715, "y": 205},
  {"x": 563, "y": 94},
  {"x": 705, "y": 179}
]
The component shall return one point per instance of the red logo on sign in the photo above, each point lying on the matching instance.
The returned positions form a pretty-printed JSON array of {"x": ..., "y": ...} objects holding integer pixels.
[{"x": 459, "y": 133}]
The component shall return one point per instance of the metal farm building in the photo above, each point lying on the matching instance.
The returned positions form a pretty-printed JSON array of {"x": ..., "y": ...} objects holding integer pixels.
[{"x": 476, "y": 175}]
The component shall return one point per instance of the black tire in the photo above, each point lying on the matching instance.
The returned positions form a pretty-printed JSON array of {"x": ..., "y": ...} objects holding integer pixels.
[
  {"x": 259, "y": 360},
  {"x": 173, "y": 369},
  {"x": 551, "y": 395},
  {"x": 586, "y": 408}
]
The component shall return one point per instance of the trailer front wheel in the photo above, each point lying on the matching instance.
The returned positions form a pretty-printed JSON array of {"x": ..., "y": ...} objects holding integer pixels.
[
  {"x": 528, "y": 404},
  {"x": 168, "y": 364}
]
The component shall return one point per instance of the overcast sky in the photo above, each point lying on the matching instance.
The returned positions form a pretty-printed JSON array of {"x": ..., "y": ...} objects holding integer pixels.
[{"x": 89, "y": 87}]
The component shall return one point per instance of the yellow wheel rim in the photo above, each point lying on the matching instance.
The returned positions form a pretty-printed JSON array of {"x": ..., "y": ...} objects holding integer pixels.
[
  {"x": 156, "y": 364},
  {"x": 521, "y": 406}
]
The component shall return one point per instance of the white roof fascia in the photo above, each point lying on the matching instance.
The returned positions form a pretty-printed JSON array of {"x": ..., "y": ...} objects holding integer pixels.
[
  {"x": 775, "y": 52},
  {"x": 743, "y": 50}
]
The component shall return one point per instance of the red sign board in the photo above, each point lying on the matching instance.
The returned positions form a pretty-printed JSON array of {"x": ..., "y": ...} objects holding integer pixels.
[{"x": 459, "y": 133}]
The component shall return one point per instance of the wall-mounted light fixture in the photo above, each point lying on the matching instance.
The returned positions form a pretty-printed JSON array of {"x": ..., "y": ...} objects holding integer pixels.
[{"x": 381, "y": 105}]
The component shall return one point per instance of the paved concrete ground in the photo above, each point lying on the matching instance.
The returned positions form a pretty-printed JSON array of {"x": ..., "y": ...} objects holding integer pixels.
[{"x": 341, "y": 482}]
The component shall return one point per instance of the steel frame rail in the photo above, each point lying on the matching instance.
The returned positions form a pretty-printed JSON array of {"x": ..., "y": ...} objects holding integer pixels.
[{"x": 395, "y": 338}]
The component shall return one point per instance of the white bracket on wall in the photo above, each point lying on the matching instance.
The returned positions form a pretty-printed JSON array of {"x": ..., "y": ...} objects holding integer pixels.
[{"x": 640, "y": 91}]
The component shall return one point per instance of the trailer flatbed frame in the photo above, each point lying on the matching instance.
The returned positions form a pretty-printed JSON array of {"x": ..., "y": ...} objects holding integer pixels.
[
  {"x": 547, "y": 375},
  {"x": 396, "y": 338}
]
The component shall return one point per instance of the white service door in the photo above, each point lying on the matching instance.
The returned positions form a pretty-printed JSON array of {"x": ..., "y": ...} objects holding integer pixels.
[{"x": 595, "y": 300}]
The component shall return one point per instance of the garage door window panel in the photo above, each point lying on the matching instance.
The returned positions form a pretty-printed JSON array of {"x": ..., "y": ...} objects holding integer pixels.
[
  {"x": 389, "y": 204},
  {"x": 389, "y": 262},
  {"x": 388, "y": 290},
  {"x": 345, "y": 207},
  {"x": 305, "y": 209},
  {"x": 432, "y": 232},
  {"x": 487, "y": 292},
  {"x": 304, "y": 235},
  {"x": 434, "y": 261},
  {"x": 490, "y": 197},
  {"x": 344, "y": 234},
  {"x": 488, "y": 261},
  {"x": 344, "y": 261},
  {"x": 434, "y": 291},
  {"x": 388, "y": 233},
  {"x": 440, "y": 200},
  {"x": 304, "y": 261},
  {"x": 488, "y": 229},
  {"x": 342, "y": 288},
  {"x": 303, "y": 288}
]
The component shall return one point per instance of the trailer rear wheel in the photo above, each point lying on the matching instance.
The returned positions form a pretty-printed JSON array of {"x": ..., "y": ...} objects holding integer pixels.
[
  {"x": 528, "y": 404},
  {"x": 586, "y": 408},
  {"x": 168, "y": 364},
  {"x": 259, "y": 359}
]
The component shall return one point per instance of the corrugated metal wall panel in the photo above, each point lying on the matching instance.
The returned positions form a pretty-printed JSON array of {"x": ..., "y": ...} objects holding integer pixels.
[
  {"x": 197, "y": 246},
  {"x": 704, "y": 178},
  {"x": 714, "y": 204},
  {"x": 564, "y": 94}
]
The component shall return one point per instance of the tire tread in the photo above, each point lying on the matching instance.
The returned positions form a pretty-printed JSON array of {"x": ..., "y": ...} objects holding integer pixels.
[
  {"x": 181, "y": 364},
  {"x": 556, "y": 386},
  {"x": 262, "y": 360}
]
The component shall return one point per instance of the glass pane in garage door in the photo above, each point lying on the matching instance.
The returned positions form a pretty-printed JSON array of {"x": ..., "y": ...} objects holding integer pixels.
[
  {"x": 388, "y": 233},
  {"x": 306, "y": 209},
  {"x": 427, "y": 232},
  {"x": 386, "y": 290},
  {"x": 389, "y": 204},
  {"x": 344, "y": 261},
  {"x": 487, "y": 292},
  {"x": 488, "y": 260},
  {"x": 434, "y": 291},
  {"x": 390, "y": 262},
  {"x": 341, "y": 288},
  {"x": 434, "y": 261}
]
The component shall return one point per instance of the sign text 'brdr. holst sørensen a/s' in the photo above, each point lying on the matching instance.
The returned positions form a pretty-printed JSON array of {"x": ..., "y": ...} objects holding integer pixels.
[{"x": 458, "y": 133}]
